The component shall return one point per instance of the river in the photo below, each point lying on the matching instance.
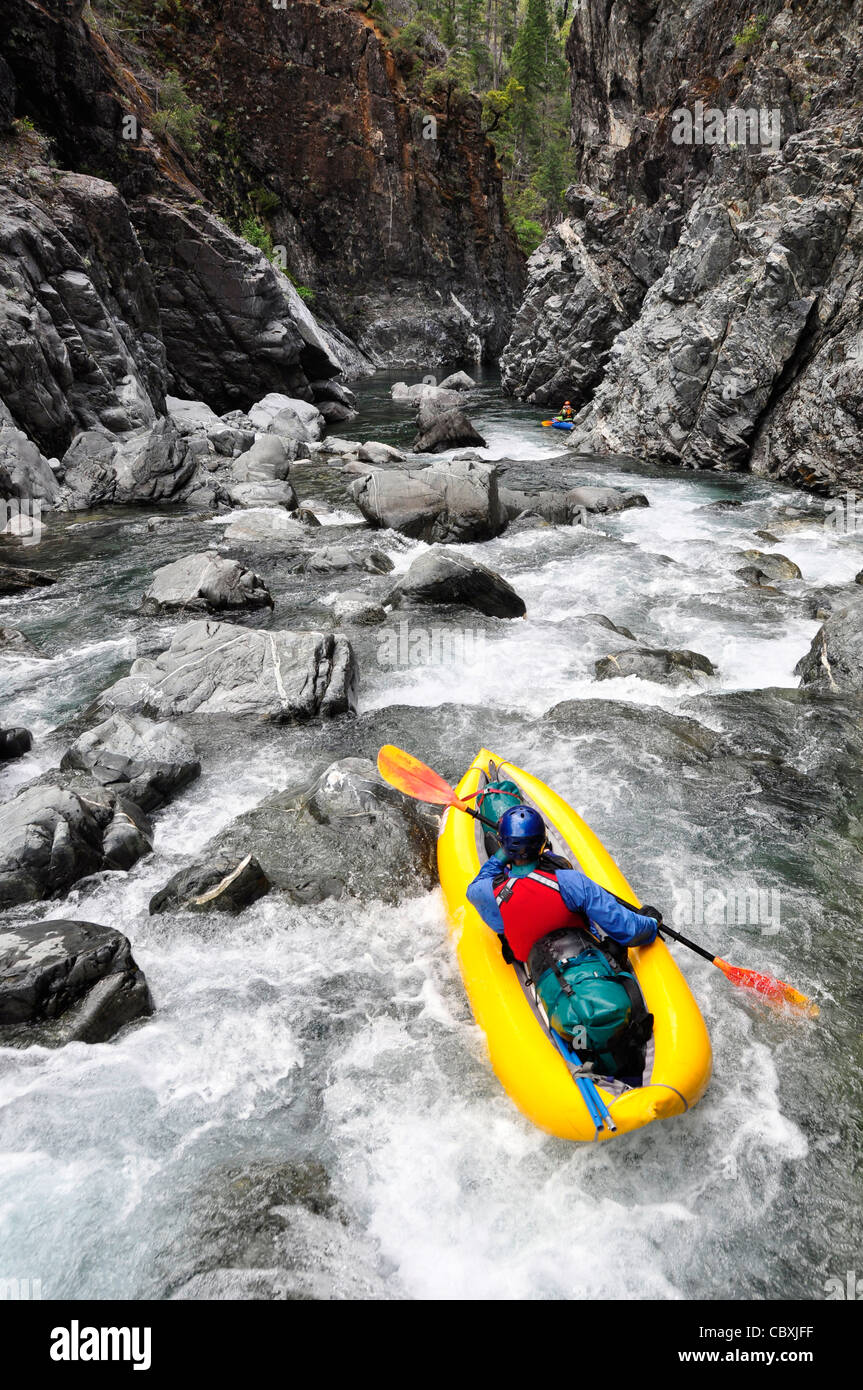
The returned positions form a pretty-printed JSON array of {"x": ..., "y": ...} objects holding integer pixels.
[{"x": 310, "y": 1112}]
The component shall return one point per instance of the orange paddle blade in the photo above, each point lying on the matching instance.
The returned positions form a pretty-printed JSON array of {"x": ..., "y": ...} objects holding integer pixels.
[
  {"x": 767, "y": 986},
  {"x": 407, "y": 774}
]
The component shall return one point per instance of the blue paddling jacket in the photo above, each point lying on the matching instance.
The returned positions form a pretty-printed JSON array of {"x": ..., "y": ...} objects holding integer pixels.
[{"x": 579, "y": 894}]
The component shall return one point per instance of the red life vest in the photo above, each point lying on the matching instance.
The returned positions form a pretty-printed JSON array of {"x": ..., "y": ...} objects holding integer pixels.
[{"x": 531, "y": 907}]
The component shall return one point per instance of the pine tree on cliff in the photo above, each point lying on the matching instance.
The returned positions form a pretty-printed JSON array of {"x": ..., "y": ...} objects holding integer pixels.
[{"x": 530, "y": 55}]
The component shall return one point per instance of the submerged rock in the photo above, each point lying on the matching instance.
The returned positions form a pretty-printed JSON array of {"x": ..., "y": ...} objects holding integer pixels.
[
  {"x": 667, "y": 667},
  {"x": 64, "y": 981},
  {"x": 207, "y": 582},
  {"x": 772, "y": 567},
  {"x": 14, "y": 579},
  {"x": 441, "y": 577},
  {"x": 218, "y": 668},
  {"x": 570, "y": 507},
  {"x": 346, "y": 834},
  {"x": 150, "y": 762}
]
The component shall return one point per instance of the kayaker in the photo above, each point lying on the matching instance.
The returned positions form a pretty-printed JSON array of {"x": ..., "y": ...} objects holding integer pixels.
[
  {"x": 566, "y": 413},
  {"x": 546, "y": 913}
]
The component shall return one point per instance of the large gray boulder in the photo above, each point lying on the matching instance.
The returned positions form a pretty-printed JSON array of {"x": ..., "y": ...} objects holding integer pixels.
[
  {"x": 441, "y": 577},
  {"x": 834, "y": 661},
  {"x": 56, "y": 831},
  {"x": 63, "y": 981},
  {"x": 217, "y": 668},
  {"x": 206, "y": 582},
  {"x": 148, "y": 762},
  {"x": 346, "y": 834},
  {"x": 454, "y": 500},
  {"x": 267, "y": 460},
  {"x": 151, "y": 464},
  {"x": 297, "y": 419},
  {"x": 29, "y": 474},
  {"x": 666, "y": 667}
]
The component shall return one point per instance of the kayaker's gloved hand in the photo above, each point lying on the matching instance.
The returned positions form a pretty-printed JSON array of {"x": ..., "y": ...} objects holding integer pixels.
[
  {"x": 657, "y": 917},
  {"x": 506, "y": 951},
  {"x": 501, "y": 856},
  {"x": 653, "y": 912}
]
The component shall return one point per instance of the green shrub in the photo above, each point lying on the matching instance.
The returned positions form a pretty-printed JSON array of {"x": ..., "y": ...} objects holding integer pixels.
[
  {"x": 752, "y": 30},
  {"x": 178, "y": 117}
]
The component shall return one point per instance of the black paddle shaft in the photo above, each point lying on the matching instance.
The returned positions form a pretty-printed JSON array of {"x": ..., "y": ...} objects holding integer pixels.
[{"x": 669, "y": 931}]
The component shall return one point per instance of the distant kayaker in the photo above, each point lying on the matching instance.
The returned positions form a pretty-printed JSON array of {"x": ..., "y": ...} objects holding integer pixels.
[
  {"x": 545, "y": 913},
  {"x": 566, "y": 413}
]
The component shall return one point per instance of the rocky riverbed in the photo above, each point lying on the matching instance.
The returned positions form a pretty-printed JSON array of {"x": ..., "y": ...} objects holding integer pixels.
[{"x": 236, "y": 956}]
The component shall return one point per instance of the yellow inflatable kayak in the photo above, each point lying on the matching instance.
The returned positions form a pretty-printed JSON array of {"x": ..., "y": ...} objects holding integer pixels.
[{"x": 537, "y": 1076}]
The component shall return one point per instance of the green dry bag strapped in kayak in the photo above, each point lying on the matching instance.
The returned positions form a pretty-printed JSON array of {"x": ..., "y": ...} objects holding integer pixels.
[
  {"x": 496, "y": 798},
  {"x": 585, "y": 1001}
]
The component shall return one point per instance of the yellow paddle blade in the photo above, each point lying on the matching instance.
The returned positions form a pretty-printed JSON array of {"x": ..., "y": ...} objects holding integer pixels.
[{"x": 407, "y": 774}]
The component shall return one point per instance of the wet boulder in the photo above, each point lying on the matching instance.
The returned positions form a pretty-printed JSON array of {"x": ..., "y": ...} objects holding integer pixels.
[
  {"x": 257, "y": 495},
  {"x": 666, "y": 667},
  {"x": 218, "y": 668},
  {"x": 353, "y": 606},
  {"x": 148, "y": 762},
  {"x": 565, "y": 508},
  {"x": 29, "y": 474},
  {"x": 442, "y": 430},
  {"x": 422, "y": 391},
  {"x": 289, "y": 416},
  {"x": 401, "y": 500},
  {"x": 380, "y": 454},
  {"x": 457, "y": 381},
  {"x": 769, "y": 568},
  {"x": 440, "y": 577},
  {"x": 339, "y": 559},
  {"x": 205, "y": 582},
  {"x": 834, "y": 661},
  {"x": 15, "y": 579},
  {"x": 268, "y": 527},
  {"x": 345, "y": 834},
  {"x": 454, "y": 500},
  {"x": 57, "y": 830},
  {"x": 220, "y": 883},
  {"x": 268, "y": 460},
  {"x": 14, "y": 743},
  {"x": 64, "y": 981}
]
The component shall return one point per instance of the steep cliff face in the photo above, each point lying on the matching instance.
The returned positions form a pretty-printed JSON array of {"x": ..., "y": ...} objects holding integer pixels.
[
  {"x": 117, "y": 283},
  {"x": 745, "y": 350},
  {"x": 391, "y": 212}
]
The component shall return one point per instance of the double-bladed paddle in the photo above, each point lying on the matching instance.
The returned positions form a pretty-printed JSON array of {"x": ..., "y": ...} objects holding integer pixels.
[{"x": 415, "y": 779}]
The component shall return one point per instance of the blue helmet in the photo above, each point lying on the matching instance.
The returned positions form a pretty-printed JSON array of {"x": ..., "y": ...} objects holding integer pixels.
[{"x": 521, "y": 832}]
